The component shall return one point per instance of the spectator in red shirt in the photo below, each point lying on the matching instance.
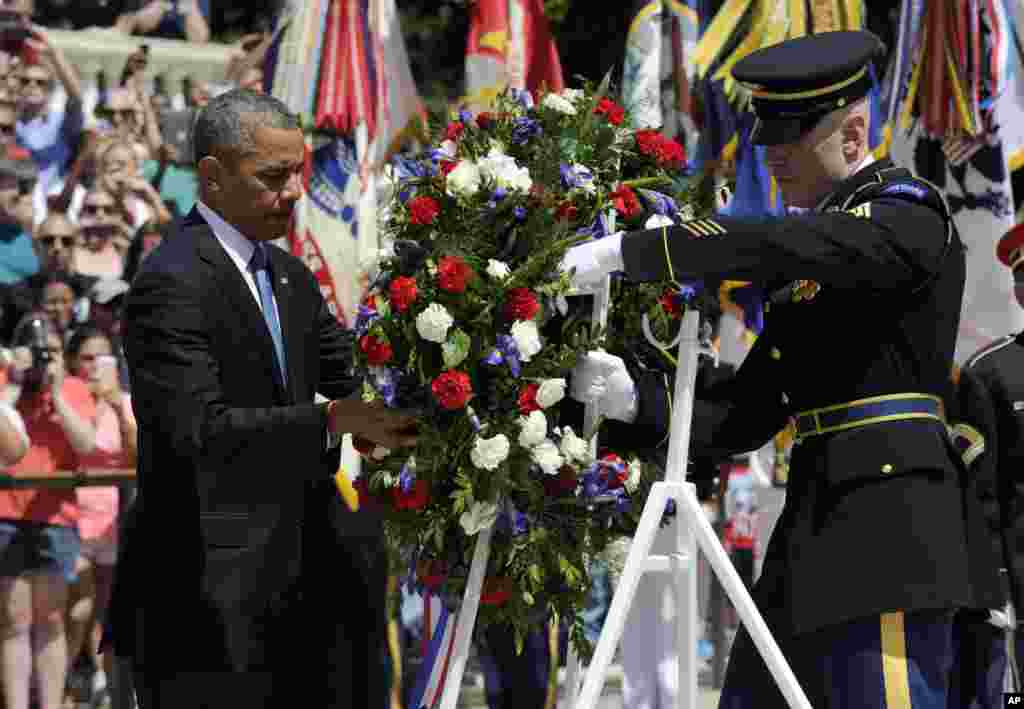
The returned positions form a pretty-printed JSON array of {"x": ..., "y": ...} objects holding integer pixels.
[{"x": 39, "y": 540}]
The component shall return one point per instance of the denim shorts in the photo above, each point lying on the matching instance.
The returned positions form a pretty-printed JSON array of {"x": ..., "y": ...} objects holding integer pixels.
[{"x": 32, "y": 548}]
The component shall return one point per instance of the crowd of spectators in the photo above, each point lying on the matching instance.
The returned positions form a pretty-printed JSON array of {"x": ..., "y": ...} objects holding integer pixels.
[{"x": 85, "y": 196}]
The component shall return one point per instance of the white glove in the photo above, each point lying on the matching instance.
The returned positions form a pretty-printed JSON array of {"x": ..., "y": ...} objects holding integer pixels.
[
  {"x": 603, "y": 378},
  {"x": 594, "y": 260}
]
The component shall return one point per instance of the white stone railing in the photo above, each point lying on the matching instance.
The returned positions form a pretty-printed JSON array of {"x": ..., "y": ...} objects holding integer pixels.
[{"x": 94, "y": 49}]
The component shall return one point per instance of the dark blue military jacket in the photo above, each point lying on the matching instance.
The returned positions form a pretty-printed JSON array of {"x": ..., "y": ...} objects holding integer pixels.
[{"x": 876, "y": 519}]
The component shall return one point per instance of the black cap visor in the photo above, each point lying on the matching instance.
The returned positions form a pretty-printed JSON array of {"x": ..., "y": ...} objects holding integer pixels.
[{"x": 780, "y": 131}]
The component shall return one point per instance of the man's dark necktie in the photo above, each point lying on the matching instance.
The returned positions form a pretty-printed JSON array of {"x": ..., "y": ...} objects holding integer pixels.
[{"x": 260, "y": 268}]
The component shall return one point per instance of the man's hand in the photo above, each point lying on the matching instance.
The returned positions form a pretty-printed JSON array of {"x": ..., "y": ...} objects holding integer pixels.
[
  {"x": 375, "y": 423},
  {"x": 594, "y": 260},
  {"x": 148, "y": 18},
  {"x": 54, "y": 379},
  {"x": 603, "y": 378}
]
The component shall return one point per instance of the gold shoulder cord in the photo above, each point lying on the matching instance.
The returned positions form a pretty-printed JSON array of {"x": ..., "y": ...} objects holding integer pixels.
[{"x": 668, "y": 259}]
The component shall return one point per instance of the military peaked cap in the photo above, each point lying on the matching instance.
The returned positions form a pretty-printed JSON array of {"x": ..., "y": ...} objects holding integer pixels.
[{"x": 795, "y": 83}]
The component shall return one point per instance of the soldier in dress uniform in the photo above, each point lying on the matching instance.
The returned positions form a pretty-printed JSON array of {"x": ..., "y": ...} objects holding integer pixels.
[
  {"x": 878, "y": 545},
  {"x": 990, "y": 432}
]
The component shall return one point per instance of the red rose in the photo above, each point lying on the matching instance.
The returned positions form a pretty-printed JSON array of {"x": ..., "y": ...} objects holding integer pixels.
[
  {"x": 376, "y": 351},
  {"x": 613, "y": 111},
  {"x": 453, "y": 273},
  {"x": 415, "y": 499},
  {"x": 452, "y": 389},
  {"x": 671, "y": 153},
  {"x": 447, "y": 166},
  {"x": 528, "y": 399},
  {"x": 454, "y": 131},
  {"x": 671, "y": 303},
  {"x": 625, "y": 202},
  {"x": 485, "y": 119},
  {"x": 423, "y": 210},
  {"x": 496, "y": 591},
  {"x": 521, "y": 304},
  {"x": 648, "y": 141},
  {"x": 402, "y": 292},
  {"x": 615, "y": 478},
  {"x": 567, "y": 211},
  {"x": 562, "y": 484}
]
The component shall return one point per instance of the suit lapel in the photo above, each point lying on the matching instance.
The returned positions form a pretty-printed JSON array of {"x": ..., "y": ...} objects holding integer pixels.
[{"x": 237, "y": 291}]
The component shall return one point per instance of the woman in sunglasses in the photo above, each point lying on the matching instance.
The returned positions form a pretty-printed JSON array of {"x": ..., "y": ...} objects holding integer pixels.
[{"x": 103, "y": 221}]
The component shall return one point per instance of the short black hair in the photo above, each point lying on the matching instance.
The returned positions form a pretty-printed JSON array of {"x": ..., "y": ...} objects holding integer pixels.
[{"x": 228, "y": 121}]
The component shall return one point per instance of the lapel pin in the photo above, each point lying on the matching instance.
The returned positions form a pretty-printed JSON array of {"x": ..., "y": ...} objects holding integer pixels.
[{"x": 284, "y": 280}]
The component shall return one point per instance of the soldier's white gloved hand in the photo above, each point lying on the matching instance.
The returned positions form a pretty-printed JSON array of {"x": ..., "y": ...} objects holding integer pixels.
[
  {"x": 594, "y": 260},
  {"x": 604, "y": 379}
]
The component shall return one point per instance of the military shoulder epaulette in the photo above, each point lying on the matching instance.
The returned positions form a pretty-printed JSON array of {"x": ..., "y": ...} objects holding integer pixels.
[{"x": 990, "y": 348}]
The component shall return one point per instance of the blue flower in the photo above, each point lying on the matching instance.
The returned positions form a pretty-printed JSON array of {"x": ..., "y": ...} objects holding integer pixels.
[
  {"x": 599, "y": 229},
  {"x": 524, "y": 129},
  {"x": 499, "y": 194},
  {"x": 465, "y": 116},
  {"x": 520, "y": 213},
  {"x": 576, "y": 176},
  {"x": 406, "y": 478},
  {"x": 364, "y": 319},
  {"x": 658, "y": 203},
  {"x": 522, "y": 97}
]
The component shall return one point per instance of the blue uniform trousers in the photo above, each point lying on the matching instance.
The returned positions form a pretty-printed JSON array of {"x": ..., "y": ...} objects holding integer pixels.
[
  {"x": 515, "y": 681},
  {"x": 893, "y": 661}
]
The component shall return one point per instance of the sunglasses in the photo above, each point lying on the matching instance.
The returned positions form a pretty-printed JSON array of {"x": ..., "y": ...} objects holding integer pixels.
[
  {"x": 94, "y": 209},
  {"x": 27, "y": 81},
  {"x": 91, "y": 357},
  {"x": 50, "y": 239}
]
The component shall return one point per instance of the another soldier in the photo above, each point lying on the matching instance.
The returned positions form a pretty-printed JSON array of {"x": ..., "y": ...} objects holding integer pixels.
[
  {"x": 877, "y": 545},
  {"x": 990, "y": 399}
]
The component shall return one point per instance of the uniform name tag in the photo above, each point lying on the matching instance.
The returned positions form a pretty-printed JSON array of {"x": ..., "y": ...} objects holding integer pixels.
[
  {"x": 1013, "y": 699},
  {"x": 1018, "y": 406}
]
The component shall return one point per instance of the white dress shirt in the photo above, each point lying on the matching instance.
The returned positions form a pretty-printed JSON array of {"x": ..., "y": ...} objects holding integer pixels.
[{"x": 239, "y": 249}]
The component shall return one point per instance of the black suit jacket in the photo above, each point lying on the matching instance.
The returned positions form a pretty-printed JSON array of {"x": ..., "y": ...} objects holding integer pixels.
[{"x": 237, "y": 518}]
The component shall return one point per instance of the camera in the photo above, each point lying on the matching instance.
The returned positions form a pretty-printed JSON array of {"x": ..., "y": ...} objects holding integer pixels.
[
  {"x": 14, "y": 30},
  {"x": 33, "y": 332}
]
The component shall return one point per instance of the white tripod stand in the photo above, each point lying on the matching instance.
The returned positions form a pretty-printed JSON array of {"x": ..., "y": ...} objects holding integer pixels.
[{"x": 692, "y": 528}]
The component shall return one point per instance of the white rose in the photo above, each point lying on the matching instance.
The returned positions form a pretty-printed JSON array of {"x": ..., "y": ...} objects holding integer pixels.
[
  {"x": 527, "y": 338},
  {"x": 546, "y": 455},
  {"x": 533, "y": 429},
  {"x": 550, "y": 392},
  {"x": 489, "y": 453},
  {"x": 573, "y": 447},
  {"x": 464, "y": 179},
  {"x": 480, "y": 516},
  {"x": 498, "y": 270},
  {"x": 504, "y": 171},
  {"x": 633, "y": 481},
  {"x": 433, "y": 323},
  {"x": 657, "y": 221},
  {"x": 559, "y": 104},
  {"x": 573, "y": 95}
]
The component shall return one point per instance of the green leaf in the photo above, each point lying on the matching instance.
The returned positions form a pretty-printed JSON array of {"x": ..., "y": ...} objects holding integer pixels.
[{"x": 456, "y": 349}]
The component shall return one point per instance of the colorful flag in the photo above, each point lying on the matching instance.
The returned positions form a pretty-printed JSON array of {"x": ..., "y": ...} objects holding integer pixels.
[
  {"x": 951, "y": 118},
  {"x": 509, "y": 46},
  {"x": 658, "y": 69}
]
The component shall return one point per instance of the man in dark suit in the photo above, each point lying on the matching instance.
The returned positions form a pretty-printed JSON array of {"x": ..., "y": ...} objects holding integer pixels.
[
  {"x": 878, "y": 543},
  {"x": 229, "y": 582}
]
